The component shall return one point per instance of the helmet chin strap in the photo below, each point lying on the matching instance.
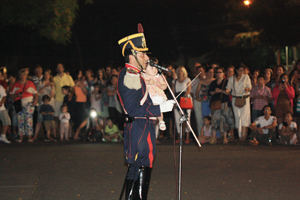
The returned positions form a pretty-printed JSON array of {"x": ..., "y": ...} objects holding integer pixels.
[{"x": 134, "y": 53}]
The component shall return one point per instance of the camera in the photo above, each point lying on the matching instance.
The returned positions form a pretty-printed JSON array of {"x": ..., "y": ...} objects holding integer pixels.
[
  {"x": 282, "y": 82},
  {"x": 285, "y": 124}
]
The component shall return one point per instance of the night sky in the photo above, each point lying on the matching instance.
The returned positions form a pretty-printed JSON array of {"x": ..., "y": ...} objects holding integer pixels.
[{"x": 172, "y": 28}]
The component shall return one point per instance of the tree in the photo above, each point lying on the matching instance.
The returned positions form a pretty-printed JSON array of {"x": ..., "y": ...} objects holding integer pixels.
[
  {"x": 52, "y": 18},
  {"x": 276, "y": 19}
]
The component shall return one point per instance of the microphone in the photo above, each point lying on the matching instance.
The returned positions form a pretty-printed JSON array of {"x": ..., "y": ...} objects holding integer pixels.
[{"x": 153, "y": 64}]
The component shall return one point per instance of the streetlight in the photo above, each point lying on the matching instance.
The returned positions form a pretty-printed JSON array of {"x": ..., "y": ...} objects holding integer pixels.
[{"x": 247, "y": 3}]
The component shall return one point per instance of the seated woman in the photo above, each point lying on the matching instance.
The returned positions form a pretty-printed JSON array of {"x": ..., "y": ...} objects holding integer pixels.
[{"x": 287, "y": 130}]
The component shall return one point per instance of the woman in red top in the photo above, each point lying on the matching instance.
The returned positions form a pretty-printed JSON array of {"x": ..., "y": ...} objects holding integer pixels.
[
  {"x": 25, "y": 90},
  {"x": 283, "y": 95}
]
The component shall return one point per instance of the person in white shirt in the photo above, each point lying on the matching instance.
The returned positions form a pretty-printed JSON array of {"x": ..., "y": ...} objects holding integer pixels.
[
  {"x": 263, "y": 128},
  {"x": 64, "y": 118},
  {"x": 4, "y": 117},
  {"x": 287, "y": 130}
]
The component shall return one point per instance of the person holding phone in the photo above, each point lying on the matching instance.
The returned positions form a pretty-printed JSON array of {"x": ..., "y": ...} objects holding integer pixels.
[
  {"x": 287, "y": 130},
  {"x": 283, "y": 95}
]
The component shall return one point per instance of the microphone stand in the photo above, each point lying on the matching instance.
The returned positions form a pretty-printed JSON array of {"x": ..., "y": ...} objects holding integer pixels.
[{"x": 181, "y": 120}]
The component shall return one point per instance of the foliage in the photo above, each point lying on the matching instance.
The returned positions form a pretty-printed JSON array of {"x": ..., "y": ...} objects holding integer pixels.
[
  {"x": 277, "y": 20},
  {"x": 52, "y": 18}
]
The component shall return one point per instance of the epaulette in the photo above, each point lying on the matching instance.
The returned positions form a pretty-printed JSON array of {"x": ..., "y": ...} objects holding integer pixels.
[
  {"x": 131, "y": 71},
  {"x": 132, "y": 79}
]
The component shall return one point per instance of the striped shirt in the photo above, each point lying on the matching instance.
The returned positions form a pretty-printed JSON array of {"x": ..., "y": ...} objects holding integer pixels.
[{"x": 258, "y": 104}]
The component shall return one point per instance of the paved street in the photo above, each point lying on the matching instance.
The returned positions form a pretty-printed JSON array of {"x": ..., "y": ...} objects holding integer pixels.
[{"x": 79, "y": 170}]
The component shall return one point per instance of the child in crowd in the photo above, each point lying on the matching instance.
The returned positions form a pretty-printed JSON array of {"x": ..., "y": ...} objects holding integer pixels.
[
  {"x": 111, "y": 132},
  {"x": 96, "y": 98},
  {"x": 206, "y": 131},
  {"x": 64, "y": 118},
  {"x": 47, "y": 111},
  {"x": 66, "y": 90},
  {"x": 4, "y": 117},
  {"x": 287, "y": 130},
  {"x": 156, "y": 87}
]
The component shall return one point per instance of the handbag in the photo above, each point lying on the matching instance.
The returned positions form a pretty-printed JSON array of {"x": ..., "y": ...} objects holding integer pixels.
[
  {"x": 186, "y": 103},
  {"x": 18, "y": 103},
  {"x": 239, "y": 101},
  {"x": 216, "y": 105}
]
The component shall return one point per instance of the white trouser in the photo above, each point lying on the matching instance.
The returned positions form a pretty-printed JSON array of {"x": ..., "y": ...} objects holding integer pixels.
[
  {"x": 198, "y": 115},
  {"x": 177, "y": 117}
]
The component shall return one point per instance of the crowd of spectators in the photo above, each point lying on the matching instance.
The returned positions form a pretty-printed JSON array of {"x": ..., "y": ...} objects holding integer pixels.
[
  {"x": 59, "y": 107},
  {"x": 263, "y": 107}
]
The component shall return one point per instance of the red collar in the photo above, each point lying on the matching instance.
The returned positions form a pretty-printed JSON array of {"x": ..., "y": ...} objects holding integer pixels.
[{"x": 129, "y": 66}]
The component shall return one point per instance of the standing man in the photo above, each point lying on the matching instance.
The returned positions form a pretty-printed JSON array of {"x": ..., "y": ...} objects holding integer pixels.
[
  {"x": 260, "y": 96},
  {"x": 38, "y": 76},
  {"x": 139, "y": 133},
  {"x": 60, "y": 80}
]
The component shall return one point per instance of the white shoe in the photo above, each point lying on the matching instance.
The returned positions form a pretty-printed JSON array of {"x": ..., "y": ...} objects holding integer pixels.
[
  {"x": 162, "y": 125},
  {"x": 4, "y": 139}
]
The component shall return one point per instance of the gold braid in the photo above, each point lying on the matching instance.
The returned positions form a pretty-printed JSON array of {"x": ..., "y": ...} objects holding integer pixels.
[{"x": 134, "y": 47}]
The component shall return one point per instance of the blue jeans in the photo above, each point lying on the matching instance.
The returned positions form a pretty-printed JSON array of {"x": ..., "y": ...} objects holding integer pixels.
[{"x": 206, "y": 111}]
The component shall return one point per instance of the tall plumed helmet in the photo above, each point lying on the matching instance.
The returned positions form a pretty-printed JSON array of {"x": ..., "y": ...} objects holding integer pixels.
[{"x": 135, "y": 42}]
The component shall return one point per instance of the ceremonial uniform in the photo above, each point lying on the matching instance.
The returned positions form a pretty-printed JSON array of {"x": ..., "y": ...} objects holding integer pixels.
[
  {"x": 141, "y": 113},
  {"x": 139, "y": 136}
]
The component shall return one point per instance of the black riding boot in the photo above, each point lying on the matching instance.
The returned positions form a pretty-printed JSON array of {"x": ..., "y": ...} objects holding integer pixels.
[
  {"x": 141, "y": 185},
  {"x": 129, "y": 192}
]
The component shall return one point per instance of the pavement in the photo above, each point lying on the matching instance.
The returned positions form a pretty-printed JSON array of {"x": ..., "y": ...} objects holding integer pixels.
[{"x": 83, "y": 170}]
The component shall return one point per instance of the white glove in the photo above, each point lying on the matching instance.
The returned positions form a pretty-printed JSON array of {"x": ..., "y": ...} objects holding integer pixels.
[{"x": 167, "y": 106}]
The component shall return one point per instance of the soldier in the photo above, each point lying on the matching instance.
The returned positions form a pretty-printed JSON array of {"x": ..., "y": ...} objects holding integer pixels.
[{"x": 139, "y": 132}]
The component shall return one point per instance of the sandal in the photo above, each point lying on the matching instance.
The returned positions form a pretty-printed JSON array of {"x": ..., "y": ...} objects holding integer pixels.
[
  {"x": 18, "y": 141},
  {"x": 162, "y": 125},
  {"x": 225, "y": 141},
  {"x": 30, "y": 140},
  {"x": 213, "y": 141}
]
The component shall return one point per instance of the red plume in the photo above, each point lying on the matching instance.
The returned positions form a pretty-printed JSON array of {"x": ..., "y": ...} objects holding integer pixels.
[{"x": 140, "y": 28}]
